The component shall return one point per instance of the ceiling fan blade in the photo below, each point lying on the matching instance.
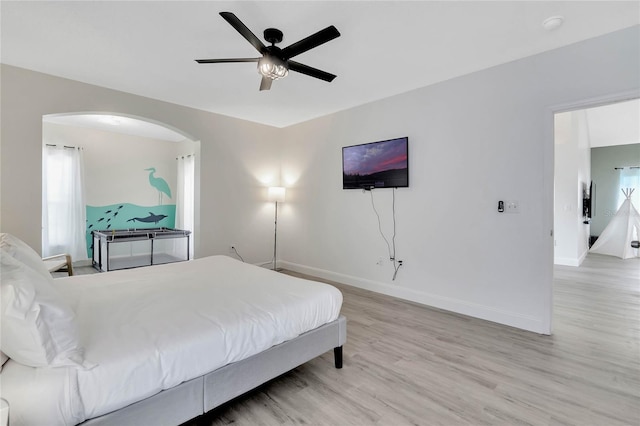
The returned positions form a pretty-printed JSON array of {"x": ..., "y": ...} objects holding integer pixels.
[
  {"x": 217, "y": 61},
  {"x": 243, "y": 30},
  {"x": 310, "y": 42},
  {"x": 310, "y": 71},
  {"x": 265, "y": 84}
]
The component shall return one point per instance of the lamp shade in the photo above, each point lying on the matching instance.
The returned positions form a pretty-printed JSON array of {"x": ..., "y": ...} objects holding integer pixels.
[{"x": 276, "y": 193}]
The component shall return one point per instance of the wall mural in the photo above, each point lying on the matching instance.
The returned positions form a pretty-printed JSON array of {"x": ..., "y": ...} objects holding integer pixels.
[
  {"x": 158, "y": 183},
  {"x": 132, "y": 216}
]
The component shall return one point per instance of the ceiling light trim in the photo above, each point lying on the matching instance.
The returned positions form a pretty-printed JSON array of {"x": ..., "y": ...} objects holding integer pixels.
[{"x": 553, "y": 22}]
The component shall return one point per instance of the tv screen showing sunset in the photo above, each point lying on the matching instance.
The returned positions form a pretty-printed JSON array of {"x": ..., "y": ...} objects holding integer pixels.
[{"x": 376, "y": 165}]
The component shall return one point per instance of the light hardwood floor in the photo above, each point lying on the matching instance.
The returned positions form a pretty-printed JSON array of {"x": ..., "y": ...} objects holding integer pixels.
[{"x": 409, "y": 364}]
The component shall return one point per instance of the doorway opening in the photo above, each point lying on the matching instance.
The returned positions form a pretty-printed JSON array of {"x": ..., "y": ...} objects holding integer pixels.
[
  {"x": 131, "y": 173},
  {"x": 573, "y": 290},
  {"x": 597, "y": 153}
]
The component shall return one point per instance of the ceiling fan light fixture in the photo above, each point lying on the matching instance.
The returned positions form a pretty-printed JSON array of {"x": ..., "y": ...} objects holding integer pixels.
[{"x": 272, "y": 67}]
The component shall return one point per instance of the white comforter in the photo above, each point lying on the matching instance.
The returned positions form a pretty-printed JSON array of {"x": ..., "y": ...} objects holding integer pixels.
[{"x": 150, "y": 329}]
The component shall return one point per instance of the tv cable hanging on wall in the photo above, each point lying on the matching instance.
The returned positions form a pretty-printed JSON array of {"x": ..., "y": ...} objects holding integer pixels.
[{"x": 390, "y": 247}]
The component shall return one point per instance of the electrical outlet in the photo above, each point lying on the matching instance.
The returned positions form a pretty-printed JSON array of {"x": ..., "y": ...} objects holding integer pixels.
[{"x": 512, "y": 206}]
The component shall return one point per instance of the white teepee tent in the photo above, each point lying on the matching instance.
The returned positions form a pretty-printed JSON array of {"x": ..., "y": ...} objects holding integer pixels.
[{"x": 624, "y": 228}]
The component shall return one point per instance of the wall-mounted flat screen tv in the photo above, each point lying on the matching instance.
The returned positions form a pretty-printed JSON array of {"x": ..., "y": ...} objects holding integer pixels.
[{"x": 383, "y": 164}]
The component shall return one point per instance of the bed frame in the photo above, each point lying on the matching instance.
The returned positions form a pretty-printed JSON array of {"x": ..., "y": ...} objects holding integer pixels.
[{"x": 195, "y": 397}]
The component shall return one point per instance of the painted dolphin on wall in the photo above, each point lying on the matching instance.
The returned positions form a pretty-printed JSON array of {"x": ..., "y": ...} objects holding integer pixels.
[{"x": 152, "y": 218}]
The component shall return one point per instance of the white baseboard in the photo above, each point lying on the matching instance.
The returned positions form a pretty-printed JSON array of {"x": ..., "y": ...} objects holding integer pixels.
[
  {"x": 582, "y": 257},
  {"x": 268, "y": 264},
  {"x": 567, "y": 261},
  {"x": 570, "y": 261},
  {"x": 475, "y": 310}
]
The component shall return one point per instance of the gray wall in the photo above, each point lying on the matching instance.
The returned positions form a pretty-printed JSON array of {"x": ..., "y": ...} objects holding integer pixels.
[
  {"x": 572, "y": 175},
  {"x": 604, "y": 160},
  {"x": 474, "y": 140},
  {"x": 237, "y": 159}
]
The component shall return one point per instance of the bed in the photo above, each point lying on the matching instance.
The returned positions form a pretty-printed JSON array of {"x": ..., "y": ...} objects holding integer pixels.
[{"x": 161, "y": 344}]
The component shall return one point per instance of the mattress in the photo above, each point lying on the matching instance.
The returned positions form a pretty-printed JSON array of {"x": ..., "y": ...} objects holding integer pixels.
[{"x": 150, "y": 329}]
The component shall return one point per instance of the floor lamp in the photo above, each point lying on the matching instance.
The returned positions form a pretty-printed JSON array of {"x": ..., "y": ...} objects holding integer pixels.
[{"x": 276, "y": 194}]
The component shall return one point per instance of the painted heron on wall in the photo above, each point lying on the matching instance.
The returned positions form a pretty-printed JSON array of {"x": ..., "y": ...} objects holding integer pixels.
[{"x": 158, "y": 183}]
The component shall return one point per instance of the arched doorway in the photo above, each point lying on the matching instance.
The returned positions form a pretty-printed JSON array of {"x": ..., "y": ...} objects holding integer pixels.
[{"x": 131, "y": 174}]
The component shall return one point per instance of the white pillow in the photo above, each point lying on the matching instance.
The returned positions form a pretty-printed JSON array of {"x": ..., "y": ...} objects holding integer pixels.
[
  {"x": 17, "y": 248},
  {"x": 38, "y": 327}
]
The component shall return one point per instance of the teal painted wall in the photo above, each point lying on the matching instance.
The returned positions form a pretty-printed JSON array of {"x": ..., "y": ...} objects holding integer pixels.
[{"x": 128, "y": 216}]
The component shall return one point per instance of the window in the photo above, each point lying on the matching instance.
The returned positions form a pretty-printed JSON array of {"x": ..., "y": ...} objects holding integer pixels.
[
  {"x": 63, "y": 205},
  {"x": 629, "y": 178}
]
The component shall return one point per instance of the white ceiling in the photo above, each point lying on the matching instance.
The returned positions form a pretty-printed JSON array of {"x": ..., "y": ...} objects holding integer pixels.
[
  {"x": 386, "y": 48},
  {"x": 117, "y": 124}
]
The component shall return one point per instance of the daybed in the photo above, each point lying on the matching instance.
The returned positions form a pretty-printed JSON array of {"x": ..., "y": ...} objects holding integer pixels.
[{"x": 156, "y": 345}]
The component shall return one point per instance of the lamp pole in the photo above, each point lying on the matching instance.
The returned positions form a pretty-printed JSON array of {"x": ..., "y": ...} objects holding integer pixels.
[
  {"x": 275, "y": 239},
  {"x": 275, "y": 194}
]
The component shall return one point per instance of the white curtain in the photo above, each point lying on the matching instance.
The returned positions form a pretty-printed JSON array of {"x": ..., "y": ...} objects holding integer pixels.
[
  {"x": 185, "y": 212},
  {"x": 63, "y": 202},
  {"x": 629, "y": 178}
]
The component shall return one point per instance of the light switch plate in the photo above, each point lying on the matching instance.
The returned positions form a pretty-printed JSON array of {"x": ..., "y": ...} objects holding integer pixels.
[{"x": 512, "y": 206}]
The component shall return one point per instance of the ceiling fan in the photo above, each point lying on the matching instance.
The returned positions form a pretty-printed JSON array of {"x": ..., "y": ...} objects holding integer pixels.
[{"x": 275, "y": 63}]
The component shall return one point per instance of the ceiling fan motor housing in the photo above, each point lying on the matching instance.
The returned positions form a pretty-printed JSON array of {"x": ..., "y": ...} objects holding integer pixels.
[{"x": 273, "y": 35}]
